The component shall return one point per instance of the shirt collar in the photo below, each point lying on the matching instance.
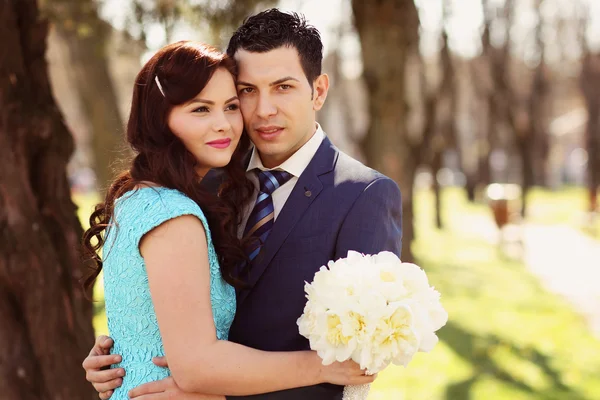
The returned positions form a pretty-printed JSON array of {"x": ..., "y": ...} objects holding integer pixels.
[{"x": 298, "y": 162}]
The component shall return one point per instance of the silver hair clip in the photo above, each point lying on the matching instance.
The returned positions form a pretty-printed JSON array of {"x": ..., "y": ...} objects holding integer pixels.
[{"x": 159, "y": 85}]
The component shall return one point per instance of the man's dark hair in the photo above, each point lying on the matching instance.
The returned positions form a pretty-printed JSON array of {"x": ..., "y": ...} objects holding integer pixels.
[{"x": 271, "y": 29}]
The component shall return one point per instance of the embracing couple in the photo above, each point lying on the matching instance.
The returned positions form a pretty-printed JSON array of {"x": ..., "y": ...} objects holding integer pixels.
[{"x": 206, "y": 241}]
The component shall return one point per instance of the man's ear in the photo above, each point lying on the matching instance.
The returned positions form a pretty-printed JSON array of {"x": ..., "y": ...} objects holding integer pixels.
[{"x": 320, "y": 89}]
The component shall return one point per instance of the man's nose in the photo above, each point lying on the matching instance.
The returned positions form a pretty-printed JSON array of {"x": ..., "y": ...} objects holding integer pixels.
[{"x": 266, "y": 107}]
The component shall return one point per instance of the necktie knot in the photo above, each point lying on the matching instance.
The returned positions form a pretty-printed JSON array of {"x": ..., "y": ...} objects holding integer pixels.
[{"x": 269, "y": 181}]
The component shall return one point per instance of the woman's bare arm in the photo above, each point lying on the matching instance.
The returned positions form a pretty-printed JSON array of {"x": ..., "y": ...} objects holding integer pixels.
[{"x": 176, "y": 257}]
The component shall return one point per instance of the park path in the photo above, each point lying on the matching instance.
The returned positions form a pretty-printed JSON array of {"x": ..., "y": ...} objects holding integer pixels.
[{"x": 568, "y": 263}]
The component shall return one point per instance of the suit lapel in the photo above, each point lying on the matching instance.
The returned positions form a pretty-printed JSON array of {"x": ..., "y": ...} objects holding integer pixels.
[{"x": 307, "y": 189}]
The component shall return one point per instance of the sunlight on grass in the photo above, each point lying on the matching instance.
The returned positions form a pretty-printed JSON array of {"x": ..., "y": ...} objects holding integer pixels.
[
  {"x": 569, "y": 206},
  {"x": 557, "y": 207},
  {"x": 100, "y": 322},
  {"x": 507, "y": 337},
  {"x": 86, "y": 204},
  {"x": 522, "y": 369}
]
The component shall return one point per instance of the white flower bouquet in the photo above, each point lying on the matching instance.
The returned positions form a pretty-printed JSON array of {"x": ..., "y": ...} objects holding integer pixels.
[{"x": 373, "y": 309}]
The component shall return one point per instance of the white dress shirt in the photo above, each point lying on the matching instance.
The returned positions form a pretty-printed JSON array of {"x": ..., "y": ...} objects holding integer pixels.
[{"x": 295, "y": 165}]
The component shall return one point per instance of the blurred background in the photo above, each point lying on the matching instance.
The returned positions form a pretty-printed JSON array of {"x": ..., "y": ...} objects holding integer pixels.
[{"x": 486, "y": 113}]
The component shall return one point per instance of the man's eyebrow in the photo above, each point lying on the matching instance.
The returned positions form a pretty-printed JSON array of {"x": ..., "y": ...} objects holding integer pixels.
[
  {"x": 277, "y": 82},
  {"x": 287, "y": 78}
]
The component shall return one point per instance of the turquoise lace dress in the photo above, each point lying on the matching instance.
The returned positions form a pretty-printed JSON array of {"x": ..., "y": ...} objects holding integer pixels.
[{"x": 131, "y": 317}]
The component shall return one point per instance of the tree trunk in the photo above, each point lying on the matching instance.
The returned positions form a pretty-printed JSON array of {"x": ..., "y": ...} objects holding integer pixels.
[
  {"x": 447, "y": 104},
  {"x": 471, "y": 187},
  {"x": 590, "y": 86},
  {"x": 589, "y": 83},
  {"x": 388, "y": 31},
  {"x": 480, "y": 174},
  {"x": 46, "y": 328},
  {"x": 485, "y": 130},
  {"x": 436, "y": 166},
  {"x": 85, "y": 34},
  {"x": 534, "y": 131},
  {"x": 485, "y": 144},
  {"x": 524, "y": 145},
  {"x": 593, "y": 149}
]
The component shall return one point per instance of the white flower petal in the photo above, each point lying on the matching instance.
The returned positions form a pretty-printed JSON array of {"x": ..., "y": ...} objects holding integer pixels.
[{"x": 373, "y": 309}]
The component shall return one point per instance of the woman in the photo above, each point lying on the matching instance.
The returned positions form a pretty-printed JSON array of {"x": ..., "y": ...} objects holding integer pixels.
[{"x": 170, "y": 247}]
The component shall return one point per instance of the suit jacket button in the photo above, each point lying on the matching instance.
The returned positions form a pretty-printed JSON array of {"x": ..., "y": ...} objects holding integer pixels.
[{"x": 308, "y": 193}]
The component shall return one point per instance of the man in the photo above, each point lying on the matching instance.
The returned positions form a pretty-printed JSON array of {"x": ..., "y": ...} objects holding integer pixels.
[{"x": 323, "y": 204}]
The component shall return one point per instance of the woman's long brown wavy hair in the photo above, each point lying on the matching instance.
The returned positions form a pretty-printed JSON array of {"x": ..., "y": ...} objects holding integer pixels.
[{"x": 183, "y": 70}]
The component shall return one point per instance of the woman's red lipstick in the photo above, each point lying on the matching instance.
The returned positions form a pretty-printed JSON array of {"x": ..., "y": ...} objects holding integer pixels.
[{"x": 220, "y": 143}]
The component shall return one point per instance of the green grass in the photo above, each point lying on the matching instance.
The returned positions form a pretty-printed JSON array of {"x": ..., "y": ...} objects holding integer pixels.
[
  {"x": 507, "y": 338},
  {"x": 86, "y": 205},
  {"x": 568, "y": 206}
]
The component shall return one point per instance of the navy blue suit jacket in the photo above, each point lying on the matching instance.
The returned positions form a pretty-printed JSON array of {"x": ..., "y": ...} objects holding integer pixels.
[{"x": 338, "y": 204}]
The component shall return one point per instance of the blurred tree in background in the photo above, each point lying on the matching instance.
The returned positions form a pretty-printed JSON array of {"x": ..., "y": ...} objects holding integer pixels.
[
  {"x": 497, "y": 117},
  {"x": 46, "y": 325},
  {"x": 216, "y": 17},
  {"x": 85, "y": 35},
  {"x": 389, "y": 36},
  {"x": 590, "y": 87}
]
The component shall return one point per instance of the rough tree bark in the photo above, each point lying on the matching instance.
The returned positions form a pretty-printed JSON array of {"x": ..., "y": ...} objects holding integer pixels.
[
  {"x": 46, "y": 328},
  {"x": 389, "y": 36},
  {"x": 79, "y": 26}
]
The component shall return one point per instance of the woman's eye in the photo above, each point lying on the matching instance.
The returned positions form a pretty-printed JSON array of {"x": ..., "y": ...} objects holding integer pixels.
[
  {"x": 233, "y": 107},
  {"x": 201, "y": 109}
]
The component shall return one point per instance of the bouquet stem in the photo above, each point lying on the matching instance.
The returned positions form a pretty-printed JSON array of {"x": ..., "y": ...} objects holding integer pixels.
[{"x": 357, "y": 392}]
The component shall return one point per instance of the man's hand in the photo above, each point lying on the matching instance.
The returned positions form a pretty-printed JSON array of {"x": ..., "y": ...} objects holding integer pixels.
[
  {"x": 166, "y": 389},
  {"x": 160, "y": 362},
  {"x": 104, "y": 380}
]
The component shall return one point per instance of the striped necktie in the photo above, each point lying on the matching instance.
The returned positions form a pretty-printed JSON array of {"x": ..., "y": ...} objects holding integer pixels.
[{"x": 261, "y": 219}]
